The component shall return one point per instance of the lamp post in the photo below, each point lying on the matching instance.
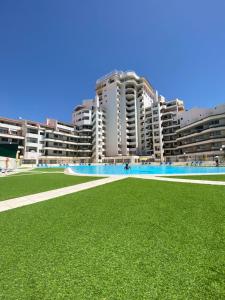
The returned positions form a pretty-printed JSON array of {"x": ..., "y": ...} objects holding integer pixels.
[
  {"x": 17, "y": 158},
  {"x": 222, "y": 149}
]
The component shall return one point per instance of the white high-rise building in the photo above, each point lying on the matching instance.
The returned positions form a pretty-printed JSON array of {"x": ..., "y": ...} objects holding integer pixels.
[
  {"x": 98, "y": 133},
  {"x": 124, "y": 96},
  {"x": 129, "y": 118}
]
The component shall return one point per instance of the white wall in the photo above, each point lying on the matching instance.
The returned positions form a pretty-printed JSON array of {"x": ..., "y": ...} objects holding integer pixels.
[
  {"x": 195, "y": 114},
  {"x": 11, "y": 163},
  {"x": 123, "y": 121},
  {"x": 110, "y": 106}
]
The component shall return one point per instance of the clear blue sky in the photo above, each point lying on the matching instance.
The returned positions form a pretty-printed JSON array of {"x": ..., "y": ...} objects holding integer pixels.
[{"x": 52, "y": 51}]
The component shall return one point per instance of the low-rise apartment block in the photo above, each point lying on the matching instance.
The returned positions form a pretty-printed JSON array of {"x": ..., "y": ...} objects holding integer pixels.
[
  {"x": 51, "y": 143},
  {"x": 201, "y": 135}
]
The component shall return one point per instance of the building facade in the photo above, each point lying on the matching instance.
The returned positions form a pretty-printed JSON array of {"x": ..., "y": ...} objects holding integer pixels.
[
  {"x": 130, "y": 119},
  {"x": 123, "y": 96},
  {"x": 201, "y": 135},
  {"x": 51, "y": 143},
  {"x": 127, "y": 120}
]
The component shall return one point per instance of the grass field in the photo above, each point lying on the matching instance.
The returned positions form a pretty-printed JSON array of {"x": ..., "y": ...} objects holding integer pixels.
[
  {"x": 219, "y": 177},
  {"x": 132, "y": 239},
  {"x": 27, "y": 183},
  {"x": 48, "y": 169}
]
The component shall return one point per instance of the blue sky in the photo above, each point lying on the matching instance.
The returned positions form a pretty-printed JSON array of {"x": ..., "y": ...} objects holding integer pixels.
[{"x": 53, "y": 51}]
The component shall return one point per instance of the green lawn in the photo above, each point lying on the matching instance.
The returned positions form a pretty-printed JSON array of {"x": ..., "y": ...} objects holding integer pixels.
[
  {"x": 49, "y": 169},
  {"x": 219, "y": 177},
  {"x": 27, "y": 183},
  {"x": 132, "y": 239}
]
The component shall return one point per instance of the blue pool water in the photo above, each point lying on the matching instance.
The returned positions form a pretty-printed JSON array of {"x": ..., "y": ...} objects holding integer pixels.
[{"x": 144, "y": 170}]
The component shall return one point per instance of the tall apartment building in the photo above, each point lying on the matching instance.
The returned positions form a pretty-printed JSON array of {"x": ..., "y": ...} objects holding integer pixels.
[
  {"x": 123, "y": 96},
  {"x": 161, "y": 124},
  {"x": 129, "y": 118},
  {"x": 89, "y": 116},
  {"x": 53, "y": 142},
  {"x": 98, "y": 134},
  {"x": 170, "y": 118}
]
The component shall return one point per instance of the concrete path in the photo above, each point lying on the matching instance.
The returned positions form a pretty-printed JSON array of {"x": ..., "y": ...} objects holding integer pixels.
[
  {"x": 30, "y": 199},
  {"x": 211, "y": 182}
]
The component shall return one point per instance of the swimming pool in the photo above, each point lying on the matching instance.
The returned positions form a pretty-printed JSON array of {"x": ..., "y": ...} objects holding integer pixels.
[{"x": 144, "y": 170}]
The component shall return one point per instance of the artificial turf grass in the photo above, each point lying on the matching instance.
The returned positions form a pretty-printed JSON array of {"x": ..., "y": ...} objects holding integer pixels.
[
  {"x": 27, "y": 184},
  {"x": 131, "y": 239},
  {"x": 217, "y": 177},
  {"x": 39, "y": 170},
  {"x": 50, "y": 169}
]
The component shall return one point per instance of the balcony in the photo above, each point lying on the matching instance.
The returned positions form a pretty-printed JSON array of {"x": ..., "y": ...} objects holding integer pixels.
[
  {"x": 131, "y": 117},
  {"x": 29, "y": 144},
  {"x": 131, "y": 120},
  {"x": 132, "y": 132},
  {"x": 130, "y": 97},
  {"x": 130, "y": 82},
  {"x": 131, "y": 144},
  {"x": 130, "y": 90},
  {"x": 132, "y": 151},
  {"x": 168, "y": 133},
  {"x": 130, "y": 105},
  {"x": 131, "y": 126}
]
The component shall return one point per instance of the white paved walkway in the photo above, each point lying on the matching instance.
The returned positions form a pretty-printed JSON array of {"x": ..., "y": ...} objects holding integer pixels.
[
  {"x": 30, "y": 199},
  {"x": 211, "y": 182}
]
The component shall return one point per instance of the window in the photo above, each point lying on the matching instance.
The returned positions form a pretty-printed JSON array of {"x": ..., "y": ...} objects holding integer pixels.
[
  {"x": 32, "y": 140},
  {"x": 31, "y": 130},
  {"x": 5, "y": 131},
  {"x": 4, "y": 139}
]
